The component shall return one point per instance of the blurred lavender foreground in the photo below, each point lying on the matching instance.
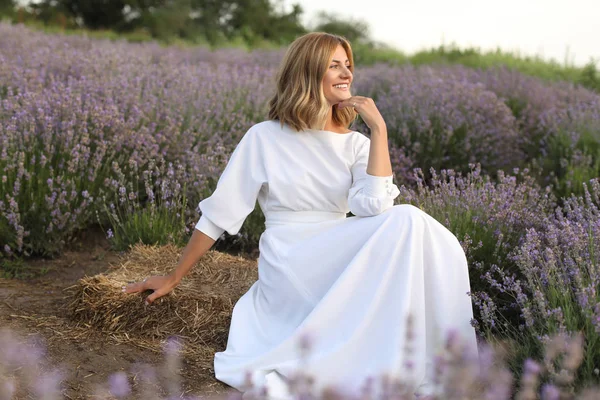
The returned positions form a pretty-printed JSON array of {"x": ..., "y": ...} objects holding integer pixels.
[
  {"x": 132, "y": 136},
  {"x": 24, "y": 373}
]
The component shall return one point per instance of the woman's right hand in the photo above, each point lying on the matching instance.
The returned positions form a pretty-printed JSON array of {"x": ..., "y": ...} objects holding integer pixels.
[{"x": 161, "y": 285}]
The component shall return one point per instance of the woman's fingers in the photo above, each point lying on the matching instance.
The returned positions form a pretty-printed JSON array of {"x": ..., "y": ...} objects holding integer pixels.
[
  {"x": 160, "y": 285},
  {"x": 155, "y": 295},
  {"x": 366, "y": 108},
  {"x": 353, "y": 101},
  {"x": 136, "y": 287}
]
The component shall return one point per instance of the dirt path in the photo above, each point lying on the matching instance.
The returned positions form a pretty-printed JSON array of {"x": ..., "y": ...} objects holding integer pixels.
[{"x": 27, "y": 305}]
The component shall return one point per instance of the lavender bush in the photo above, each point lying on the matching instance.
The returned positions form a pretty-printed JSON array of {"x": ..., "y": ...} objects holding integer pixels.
[
  {"x": 535, "y": 267},
  {"x": 559, "y": 123},
  {"x": 560, "y": 263},
  {"x": 488, "y": 218},
  {"x": 440, "y": 122},
  {"x": 158, "y": 217}
]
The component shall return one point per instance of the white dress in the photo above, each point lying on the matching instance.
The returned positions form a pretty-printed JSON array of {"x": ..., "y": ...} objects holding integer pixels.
[{"x": 349, "y": 283}]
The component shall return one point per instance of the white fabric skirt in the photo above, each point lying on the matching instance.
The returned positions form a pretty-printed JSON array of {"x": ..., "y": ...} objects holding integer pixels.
[{"x": 350, "y": 285}]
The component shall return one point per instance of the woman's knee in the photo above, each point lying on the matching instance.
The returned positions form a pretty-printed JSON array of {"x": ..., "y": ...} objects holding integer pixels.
[{"x": 407, "y": 211}]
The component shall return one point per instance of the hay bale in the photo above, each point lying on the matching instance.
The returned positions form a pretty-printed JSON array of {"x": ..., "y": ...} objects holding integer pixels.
[{"x": 198, "y": 310}]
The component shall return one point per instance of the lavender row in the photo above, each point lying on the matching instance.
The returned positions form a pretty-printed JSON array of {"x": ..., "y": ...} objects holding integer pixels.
[
  {"x": 82, "y": 122},
  {"x": 72, "y": 108}
]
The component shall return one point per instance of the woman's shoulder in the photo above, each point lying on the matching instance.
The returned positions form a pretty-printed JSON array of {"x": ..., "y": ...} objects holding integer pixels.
[
  {"x": 274, "y": 129},
  {"x": 361, "y": 139},
  {"x": 256, "y": 132},
  {"x": 267, "y": 126},
  {"x": 263, "y": 130}
]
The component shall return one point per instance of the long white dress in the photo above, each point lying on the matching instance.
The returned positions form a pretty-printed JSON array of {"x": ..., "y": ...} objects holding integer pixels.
[{"x": 347, "y": 283}]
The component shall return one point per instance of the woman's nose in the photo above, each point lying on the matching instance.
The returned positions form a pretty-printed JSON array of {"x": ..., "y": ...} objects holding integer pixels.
[{"x": 346, "y": 71}]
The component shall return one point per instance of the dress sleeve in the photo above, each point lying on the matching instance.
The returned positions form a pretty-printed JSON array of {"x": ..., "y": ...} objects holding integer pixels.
[
  {"x": 369, "y": 195},
  {"x": 237, "y": 190}
]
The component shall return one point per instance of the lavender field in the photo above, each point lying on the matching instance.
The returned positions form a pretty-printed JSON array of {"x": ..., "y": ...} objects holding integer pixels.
[{"x": 130, "y": 137}]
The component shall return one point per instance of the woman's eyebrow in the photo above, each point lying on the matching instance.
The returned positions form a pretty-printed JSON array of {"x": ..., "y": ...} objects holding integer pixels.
[{"x": 337, "y": 61}]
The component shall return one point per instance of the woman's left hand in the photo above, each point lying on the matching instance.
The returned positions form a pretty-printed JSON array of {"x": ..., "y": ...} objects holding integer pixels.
[{"x": 366, "y": 108}]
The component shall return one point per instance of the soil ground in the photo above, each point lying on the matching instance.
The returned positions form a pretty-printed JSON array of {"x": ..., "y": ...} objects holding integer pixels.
[{"x": 87, "y": 362}]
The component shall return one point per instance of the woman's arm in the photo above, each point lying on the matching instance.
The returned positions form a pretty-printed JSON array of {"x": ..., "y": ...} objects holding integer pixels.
[
  {"x": 379, "y": 154},
  {"x": 197, "y": 246},
  {"x": 224, "y": 210},
  {"x": 372, "y": 191}
]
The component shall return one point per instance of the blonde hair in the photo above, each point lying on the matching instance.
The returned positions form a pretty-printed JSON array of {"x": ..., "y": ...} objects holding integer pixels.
[{"x": 299, "y": 100}]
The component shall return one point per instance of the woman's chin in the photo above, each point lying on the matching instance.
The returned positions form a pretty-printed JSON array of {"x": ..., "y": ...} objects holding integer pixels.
[{"x": 338, "y": 100}]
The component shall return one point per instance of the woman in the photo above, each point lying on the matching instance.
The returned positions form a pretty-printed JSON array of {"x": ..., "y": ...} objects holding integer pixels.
[{"x": 349, "y": 283}]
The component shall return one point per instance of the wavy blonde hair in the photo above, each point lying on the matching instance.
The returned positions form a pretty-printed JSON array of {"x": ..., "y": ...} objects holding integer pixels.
[{"x": 299, "y": 100}]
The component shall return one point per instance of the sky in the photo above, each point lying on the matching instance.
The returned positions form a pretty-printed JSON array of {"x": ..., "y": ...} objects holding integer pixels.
[{"x": 562, "y": 30}]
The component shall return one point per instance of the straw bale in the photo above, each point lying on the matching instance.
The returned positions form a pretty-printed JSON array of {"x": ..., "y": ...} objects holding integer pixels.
[{"x": 198, "y": 310}]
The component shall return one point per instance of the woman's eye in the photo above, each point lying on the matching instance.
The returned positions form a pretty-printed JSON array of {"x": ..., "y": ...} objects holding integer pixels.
[{"x": 335, "y": 66}]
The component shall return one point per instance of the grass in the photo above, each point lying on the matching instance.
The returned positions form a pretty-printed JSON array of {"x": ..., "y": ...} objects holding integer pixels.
[{"x": 17, "y": 269}]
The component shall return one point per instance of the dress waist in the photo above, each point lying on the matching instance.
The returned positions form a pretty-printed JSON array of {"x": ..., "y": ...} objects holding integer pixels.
[{"x": 274, "y": 218}]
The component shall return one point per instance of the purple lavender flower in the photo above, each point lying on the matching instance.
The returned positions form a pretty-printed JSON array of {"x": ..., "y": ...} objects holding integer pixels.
[
  {"x": 550, "y": 392},
  {"x": 119, "y": 385}
]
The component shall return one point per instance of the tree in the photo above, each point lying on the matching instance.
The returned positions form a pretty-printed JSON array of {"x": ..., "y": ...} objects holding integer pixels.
[
  {"x": 7, "y": 7},
  {"x": 96, "y": 14},
  {"x": 353, "y": 30},
  {"x": 259, "y": 18},
  {"x": 163, "y": 20},
  {"x": 253, "y": 20}
]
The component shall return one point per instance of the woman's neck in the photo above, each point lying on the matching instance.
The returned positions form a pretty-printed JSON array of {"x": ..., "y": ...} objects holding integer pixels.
[{"x": 331, "y": 126}]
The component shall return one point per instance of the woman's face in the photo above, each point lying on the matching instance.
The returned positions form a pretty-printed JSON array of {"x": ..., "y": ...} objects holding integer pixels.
[{"x": 337, "y": 79}]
